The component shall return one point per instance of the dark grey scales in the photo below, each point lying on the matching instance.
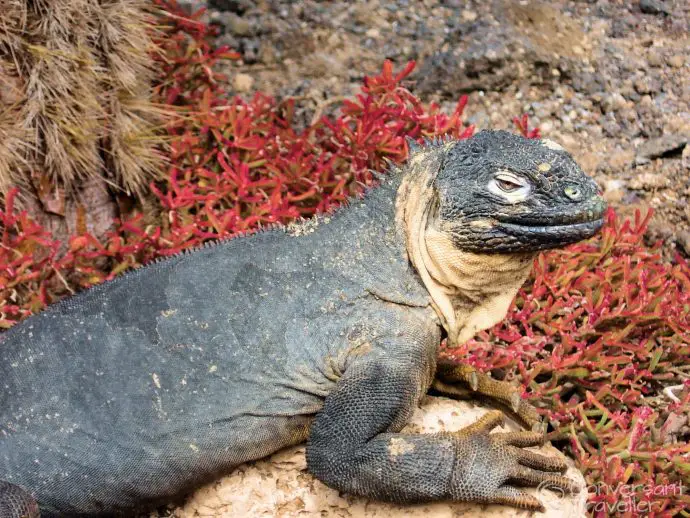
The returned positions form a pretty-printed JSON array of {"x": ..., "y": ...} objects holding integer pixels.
[{"x": 139, "y": 390}]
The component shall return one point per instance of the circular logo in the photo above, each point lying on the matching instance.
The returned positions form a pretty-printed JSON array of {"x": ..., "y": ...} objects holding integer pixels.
[{"x": 550, "y": 495}]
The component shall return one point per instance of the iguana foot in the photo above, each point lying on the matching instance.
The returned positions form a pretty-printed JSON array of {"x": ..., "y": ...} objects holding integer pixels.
[
  {"x": 489, "y": 466},
  {"x": 15, "y": 502},
  {"x": 462, "y": 381}
]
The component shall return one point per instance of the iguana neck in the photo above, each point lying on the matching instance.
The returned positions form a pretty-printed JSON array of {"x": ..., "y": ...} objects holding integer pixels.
[{"x": 470, "y": 292}]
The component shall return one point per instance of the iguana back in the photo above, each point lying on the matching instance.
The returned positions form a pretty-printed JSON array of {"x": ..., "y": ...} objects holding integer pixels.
[{"x": 136, "y": 390}]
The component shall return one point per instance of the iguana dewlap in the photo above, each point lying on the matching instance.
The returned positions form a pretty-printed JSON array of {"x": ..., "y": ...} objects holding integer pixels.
[{"x": 138, "y": 390}]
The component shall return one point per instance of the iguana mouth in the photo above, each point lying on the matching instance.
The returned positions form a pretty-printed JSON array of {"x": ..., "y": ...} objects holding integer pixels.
[
  {"x": 552, "y": 233},
  {"x": 560, "y": 228}
]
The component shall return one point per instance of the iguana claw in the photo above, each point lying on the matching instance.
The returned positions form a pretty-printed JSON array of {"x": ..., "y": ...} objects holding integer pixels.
[
  {"x": 515, "y": 400},
  {"x": 462, "y": 381},
  {"x": 474, "y": 381}
]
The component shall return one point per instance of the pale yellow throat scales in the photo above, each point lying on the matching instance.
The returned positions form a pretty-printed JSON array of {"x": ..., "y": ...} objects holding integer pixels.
[{"x": 470, "y": 291}]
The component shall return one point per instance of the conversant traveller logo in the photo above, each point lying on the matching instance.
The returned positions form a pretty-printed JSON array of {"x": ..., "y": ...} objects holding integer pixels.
[{"x": 613, "y": 500}]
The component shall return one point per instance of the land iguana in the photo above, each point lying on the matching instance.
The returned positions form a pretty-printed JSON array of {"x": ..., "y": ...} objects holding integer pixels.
[{"x": 134, "y": 392}]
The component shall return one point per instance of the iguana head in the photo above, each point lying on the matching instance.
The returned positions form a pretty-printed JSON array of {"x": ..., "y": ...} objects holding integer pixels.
[
  {"x": 498, "y": 192},
  {"x": 475, "y": 213}
]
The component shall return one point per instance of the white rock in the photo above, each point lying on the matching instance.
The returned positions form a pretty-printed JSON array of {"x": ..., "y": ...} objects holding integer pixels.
[
  {"x": 281, "y": 487},
  {"x": 242, "y": 82}
]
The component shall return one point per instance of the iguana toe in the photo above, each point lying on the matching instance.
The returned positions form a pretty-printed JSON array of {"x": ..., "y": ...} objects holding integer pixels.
[
  {"x": 515, "y": 400},
  {"x": 525, "y": 476},
  {"x": 535, "y": 460},
  {"x": 490, "y": 466},
  {"x": 515, "y": 497},
  {"x": 522, "y": 439},
  {"x": 462, "y": 381},
  {"x": 486, "y": 423}
]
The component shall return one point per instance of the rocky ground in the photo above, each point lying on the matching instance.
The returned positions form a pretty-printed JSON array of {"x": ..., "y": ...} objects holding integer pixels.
[{"x": 607, "y": 79}]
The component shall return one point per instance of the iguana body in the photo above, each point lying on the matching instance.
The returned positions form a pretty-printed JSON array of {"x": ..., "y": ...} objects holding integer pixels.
[{"x": 138, "y": 390}]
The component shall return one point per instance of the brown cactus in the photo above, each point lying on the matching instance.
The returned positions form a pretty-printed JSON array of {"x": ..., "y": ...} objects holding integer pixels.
[{"x": 75, "y": 104}]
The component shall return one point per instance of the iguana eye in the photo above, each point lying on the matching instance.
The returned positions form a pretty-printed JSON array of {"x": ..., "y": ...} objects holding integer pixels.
[{"x": 509, "y": 186}]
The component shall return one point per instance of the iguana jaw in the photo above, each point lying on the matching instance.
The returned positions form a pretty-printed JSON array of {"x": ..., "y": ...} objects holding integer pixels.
[
  {"x": 552, "y": 229},
  {"x": 549, "y": 236},
  {"x": 469, "y": 291},
  {"x": 478, "y": 288}
]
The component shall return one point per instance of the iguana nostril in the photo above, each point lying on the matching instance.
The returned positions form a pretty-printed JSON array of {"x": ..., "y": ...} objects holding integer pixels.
[{"x": 573, "y": 193}]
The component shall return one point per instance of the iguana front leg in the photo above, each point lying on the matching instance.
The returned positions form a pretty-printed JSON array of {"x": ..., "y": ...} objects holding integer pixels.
[
  {"x": 462, "y": 381},
  {"x": 353, "y": 446},
  {"x": 16, "y": 503}
]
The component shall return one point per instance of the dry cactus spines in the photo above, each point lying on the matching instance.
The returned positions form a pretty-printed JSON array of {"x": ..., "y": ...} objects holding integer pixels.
[
  {"x": 125, "y": 44},
  {"x": 14, "y": 136},
  {"x": 82, "y": 89}
]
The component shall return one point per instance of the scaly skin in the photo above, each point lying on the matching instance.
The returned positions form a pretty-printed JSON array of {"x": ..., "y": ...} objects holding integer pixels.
[
  {"x": 137, "y": 391},
  {"x": 460, "y": 381}
]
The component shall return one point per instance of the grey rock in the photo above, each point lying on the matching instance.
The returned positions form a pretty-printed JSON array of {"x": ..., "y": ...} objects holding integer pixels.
[
  {"x": 676, "y": 61},
  {"x": 685, "y": 158},
  {"x": 588, "y": 83},
  {"x": 228, "y": 40},
  {"x": 233, "y": 6},
  {"x": 653, "y": 7},
  {"x": 488, "y": 62},
  {"x": 655, "y": 58},
  {"x": 231, "y": 23},
  {"x": 532, "y": 43},
  {"x": 647, "y": 85},
  {"x": 621, "y": 27},
  {"x": 191, "y": 5},
  {"x": 648, "y": 181},
  {"x": 660, "y": 147},
  {"x": 683, "y": 242},
  {"x": 237, "y": 25},
  {"x": 250, "y": 48},
  {"x": 611, "y": 127},
  {"x": 613, "y": 102}
]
